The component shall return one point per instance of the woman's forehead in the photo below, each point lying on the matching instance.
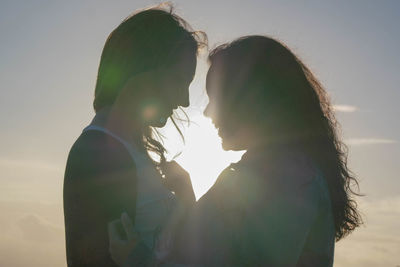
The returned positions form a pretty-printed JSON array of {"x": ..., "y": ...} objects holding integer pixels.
[{"x": 215, "y": 77}]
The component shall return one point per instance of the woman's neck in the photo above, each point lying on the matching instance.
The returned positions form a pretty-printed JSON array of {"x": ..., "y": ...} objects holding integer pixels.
[{"x": 120, "y": 123}]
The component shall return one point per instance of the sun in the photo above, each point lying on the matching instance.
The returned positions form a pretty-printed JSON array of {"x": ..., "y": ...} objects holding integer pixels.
[{"x": 201, "y": 153}]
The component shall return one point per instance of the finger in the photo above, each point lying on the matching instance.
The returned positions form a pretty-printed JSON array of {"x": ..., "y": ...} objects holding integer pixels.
[
  {"x": 113, "y": 230},
  {"x": 168, "y": 163},
  {"x": 163, "y": 164},
  {"x": 172, "y": 167},
  {"x": 128, "y": 226},
  {"x": 173, "y": 164}
]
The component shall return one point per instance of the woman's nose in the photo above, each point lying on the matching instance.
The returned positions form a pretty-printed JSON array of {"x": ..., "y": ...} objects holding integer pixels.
[{"x": 184, "y": 99}]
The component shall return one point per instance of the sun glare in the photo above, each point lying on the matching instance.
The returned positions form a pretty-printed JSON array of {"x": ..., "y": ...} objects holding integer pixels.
[{"x": 201, "y": 154}]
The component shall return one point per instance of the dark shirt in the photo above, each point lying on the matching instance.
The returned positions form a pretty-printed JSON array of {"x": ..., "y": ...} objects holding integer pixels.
[
  {"x": 99, "y": 184},
  {"x": 269, "y": 209}
]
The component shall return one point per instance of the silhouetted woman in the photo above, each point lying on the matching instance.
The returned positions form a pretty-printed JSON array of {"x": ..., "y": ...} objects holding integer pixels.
[
  {"x": 145, "y": 70},
  {"x": 290, "y": 197}
]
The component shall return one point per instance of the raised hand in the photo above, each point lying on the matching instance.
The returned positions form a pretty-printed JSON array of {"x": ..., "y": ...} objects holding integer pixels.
[{"x": 177, "y": 179}]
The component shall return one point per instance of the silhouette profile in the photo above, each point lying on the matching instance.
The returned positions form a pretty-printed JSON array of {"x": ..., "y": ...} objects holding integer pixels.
[
  {"x": 289, "y": 198},
  {"x": 145, "y": 70}
]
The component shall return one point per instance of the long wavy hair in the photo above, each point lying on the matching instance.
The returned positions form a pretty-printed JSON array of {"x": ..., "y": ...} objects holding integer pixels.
[
  {"x": 271, "y": 88},
  {"x": 145, "y": 40}
]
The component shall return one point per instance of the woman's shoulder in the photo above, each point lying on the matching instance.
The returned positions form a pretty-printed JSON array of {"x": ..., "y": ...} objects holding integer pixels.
[
  {"x": 275, "y": 171},
  {"x": 297, "y": 165},
  {"x": 270, "y": 168},
  {"x": 93, "y": 141},
  {"x": 95, "y": 151}
]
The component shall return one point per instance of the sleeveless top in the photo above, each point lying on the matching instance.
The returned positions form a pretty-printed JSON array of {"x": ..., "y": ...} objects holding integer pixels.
[{"x": 154, "y": 202}]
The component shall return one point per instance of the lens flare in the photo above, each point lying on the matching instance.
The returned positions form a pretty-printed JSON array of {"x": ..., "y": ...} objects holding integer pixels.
[{"x": 149, "y": 112}]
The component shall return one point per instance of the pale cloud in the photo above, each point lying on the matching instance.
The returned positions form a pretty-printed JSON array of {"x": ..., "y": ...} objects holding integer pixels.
[
  {"x": 378, "y": 239},
  {"x": 32, "y": 234},
  {"x": 37, "y": 229},
  {"x": 370, "y": 141},
  {"x": 30, "y": 164},
  {"x": 344, "y": 108}
]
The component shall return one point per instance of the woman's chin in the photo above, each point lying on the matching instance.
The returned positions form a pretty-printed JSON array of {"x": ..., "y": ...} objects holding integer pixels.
[
  {"x": 224, "y": 141},
  {"x": 158, "y": 124},
  {"x": 226, "y": 145},
  {"x": 232, "y": 145}
]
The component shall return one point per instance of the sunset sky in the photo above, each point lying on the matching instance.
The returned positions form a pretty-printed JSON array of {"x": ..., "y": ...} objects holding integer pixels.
[{"x": 50, "y": 51}]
